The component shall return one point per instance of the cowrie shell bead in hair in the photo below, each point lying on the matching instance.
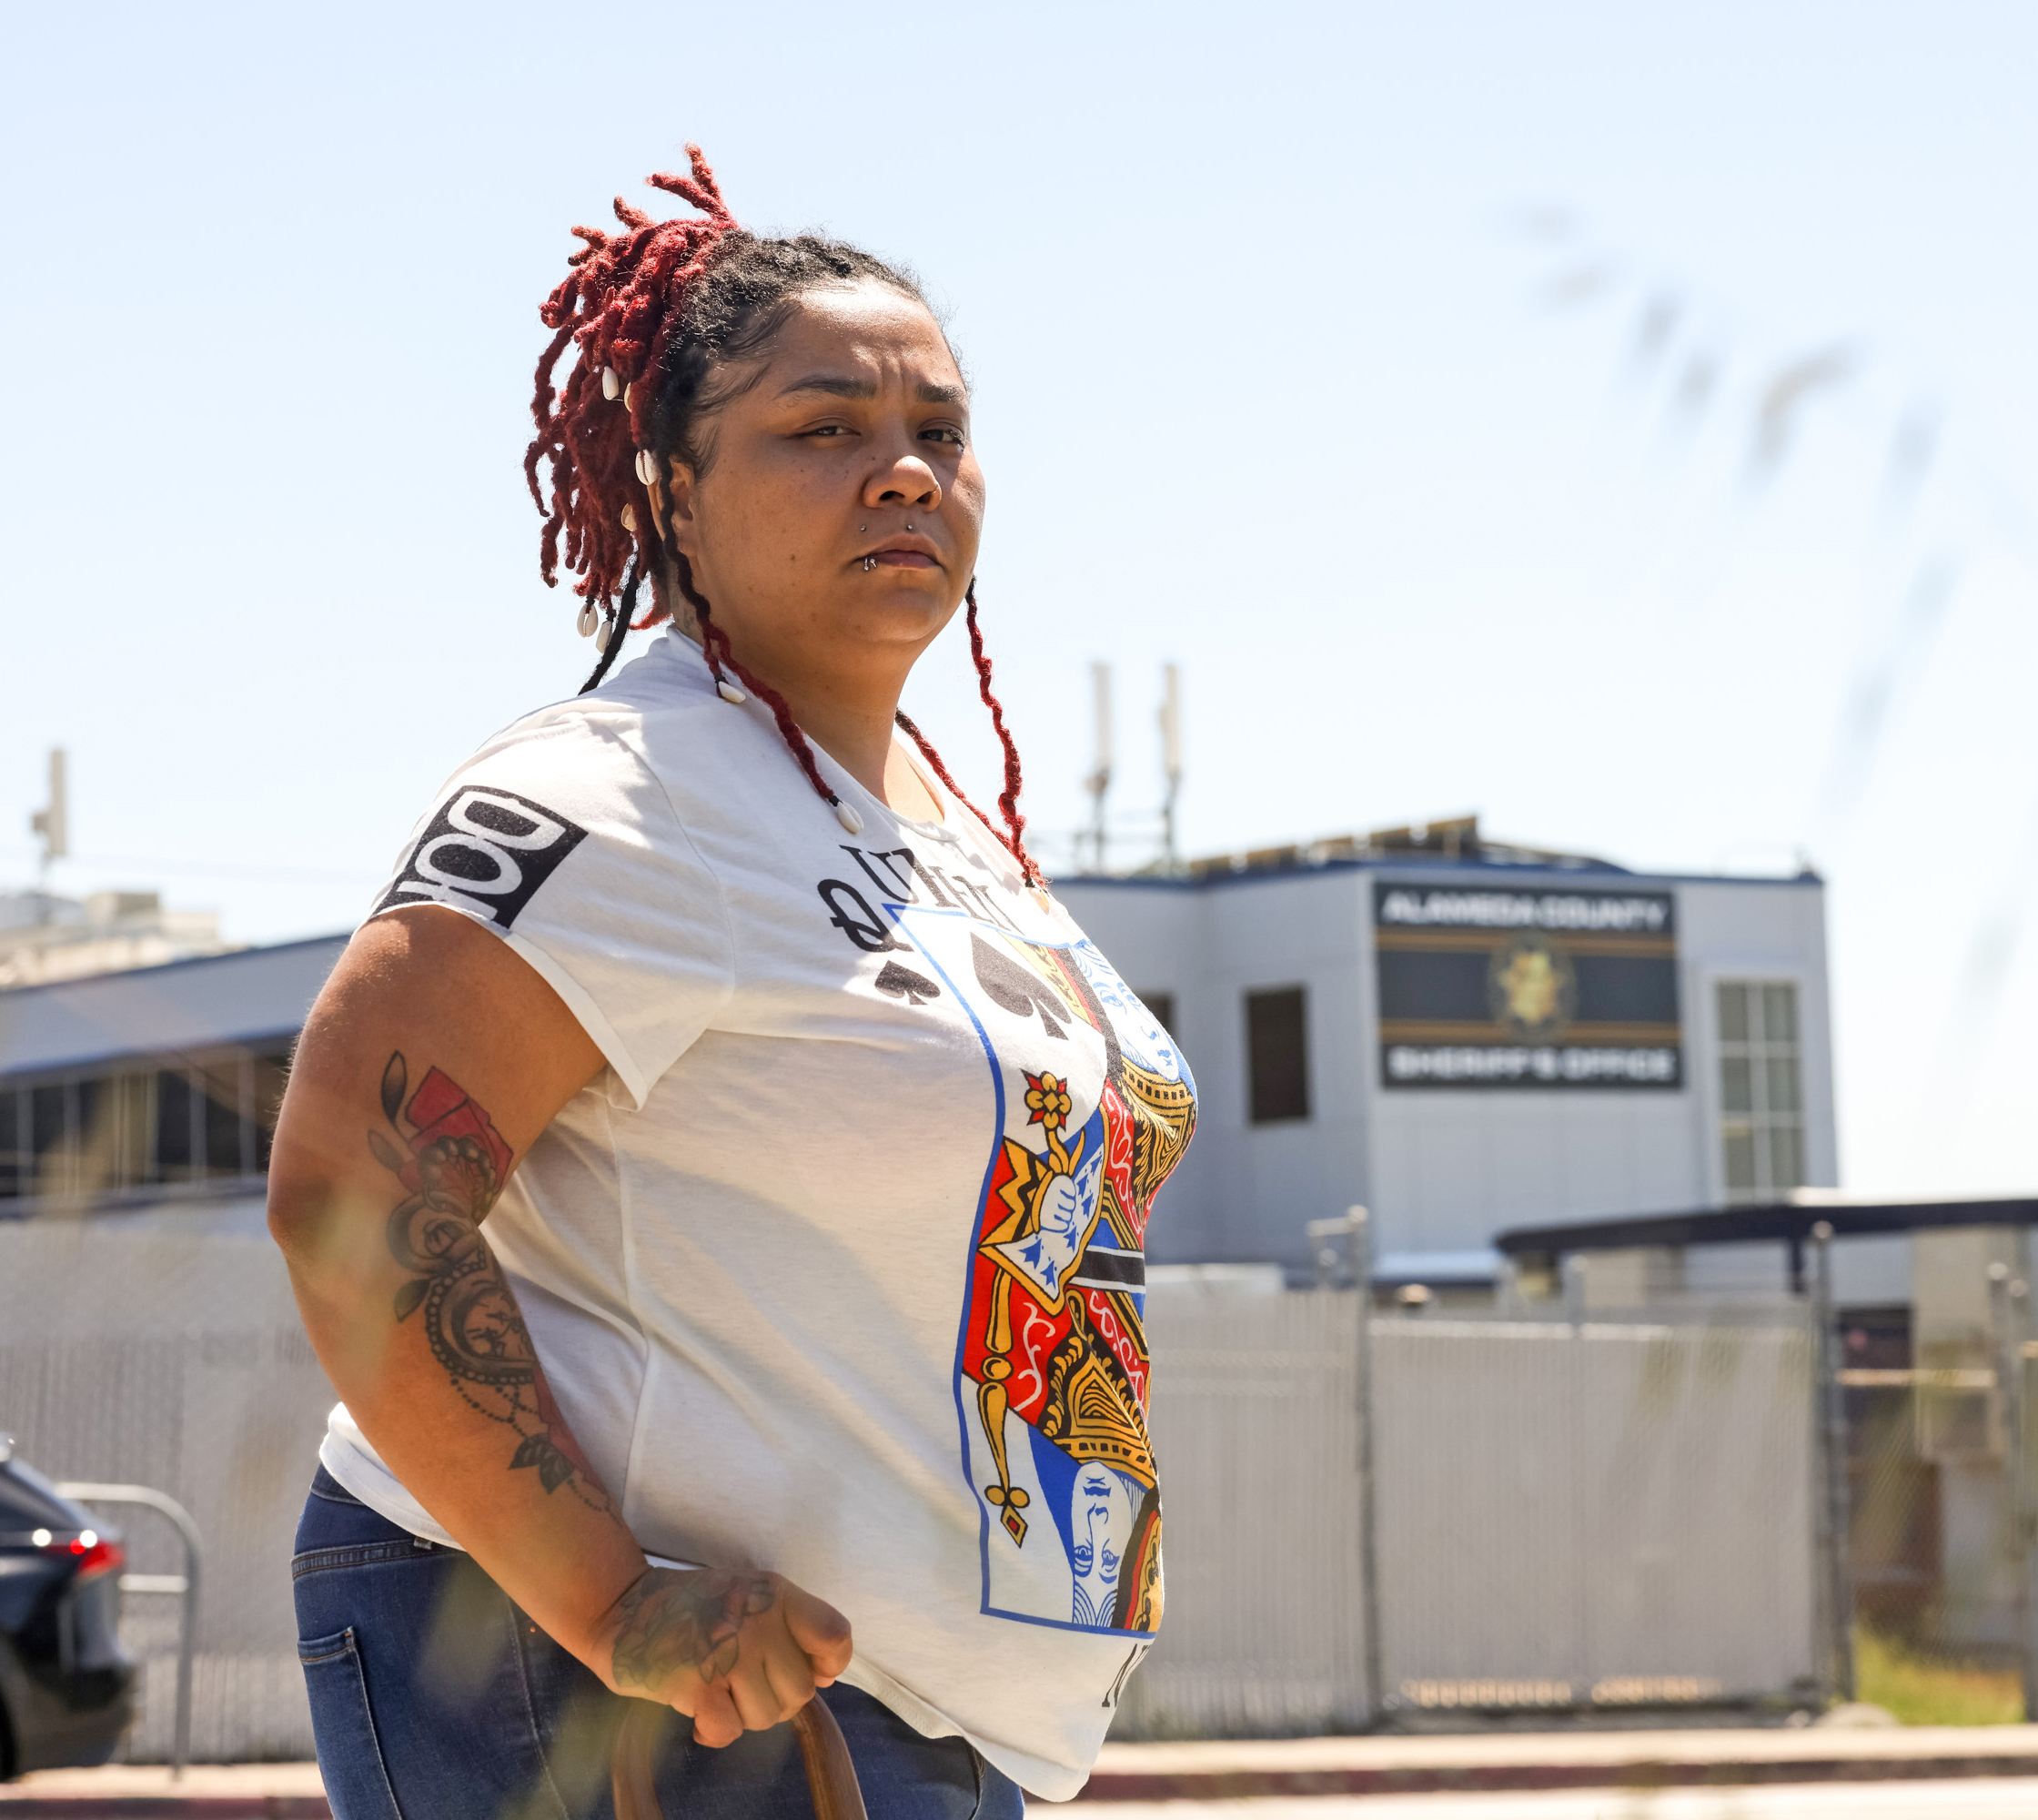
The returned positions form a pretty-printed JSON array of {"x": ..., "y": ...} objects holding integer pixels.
[
  {"x": 603, "y": 634},
  {"x": 729, "y": 691},
  {"x": 626, "y": 395},
  {"x": 647, "y": 469},
  {"x": 628, "y": 517},
  {"x": 852, "y": 821},
  {"x": 587, "y": 621},
  {"x": 610, "y": 384}
]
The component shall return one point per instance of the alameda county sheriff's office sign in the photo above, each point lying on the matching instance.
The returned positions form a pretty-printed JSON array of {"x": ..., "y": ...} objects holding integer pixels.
[{"x": 1498, "y": 987}]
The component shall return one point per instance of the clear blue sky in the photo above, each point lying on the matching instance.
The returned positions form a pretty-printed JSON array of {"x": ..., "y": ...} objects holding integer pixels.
[{"x": 1274, "y": 381}]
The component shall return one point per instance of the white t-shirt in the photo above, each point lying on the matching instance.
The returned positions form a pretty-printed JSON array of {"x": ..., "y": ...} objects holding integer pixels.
[{"x": 837, "y": 1269}]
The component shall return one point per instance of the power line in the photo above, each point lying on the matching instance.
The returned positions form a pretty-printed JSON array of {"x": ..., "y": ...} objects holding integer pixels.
[{"x": 272, "y": 874}]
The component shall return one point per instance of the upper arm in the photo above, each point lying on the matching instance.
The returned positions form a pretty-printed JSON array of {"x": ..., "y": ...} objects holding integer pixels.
[{"x": 436, "y": 989}]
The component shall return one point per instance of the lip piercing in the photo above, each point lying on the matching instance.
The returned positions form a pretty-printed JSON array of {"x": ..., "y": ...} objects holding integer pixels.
[{"x": 869, "y": 562}]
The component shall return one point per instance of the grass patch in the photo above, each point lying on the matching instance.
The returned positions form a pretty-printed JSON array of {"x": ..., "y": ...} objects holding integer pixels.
[{"x": 1930, "y": 1690}]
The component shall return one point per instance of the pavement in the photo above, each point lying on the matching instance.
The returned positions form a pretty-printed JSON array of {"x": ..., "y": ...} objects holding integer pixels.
[{"x": 1909, "y": 1773}]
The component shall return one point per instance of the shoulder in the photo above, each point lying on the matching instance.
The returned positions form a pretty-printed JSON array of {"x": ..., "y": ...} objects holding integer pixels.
[
  {"x": 587, "y": 779},
  {"x": 650, "y": 727}
]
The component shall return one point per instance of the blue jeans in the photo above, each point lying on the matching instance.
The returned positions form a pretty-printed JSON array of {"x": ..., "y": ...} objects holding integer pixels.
[{"x": 434, "y": 1698}]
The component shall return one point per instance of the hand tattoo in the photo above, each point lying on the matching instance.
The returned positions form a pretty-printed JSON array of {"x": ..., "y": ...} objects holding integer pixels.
[
  {"x": 456, "y": 1168},
  {"x": 674, "y": 1619}
]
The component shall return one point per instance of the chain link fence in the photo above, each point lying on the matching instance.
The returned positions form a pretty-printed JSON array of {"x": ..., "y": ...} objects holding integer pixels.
[{"x": 178, "y": 1363}]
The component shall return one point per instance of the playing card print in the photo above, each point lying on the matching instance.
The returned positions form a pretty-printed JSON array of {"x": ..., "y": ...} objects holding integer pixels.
[{"x": 1093, "y": 1108}]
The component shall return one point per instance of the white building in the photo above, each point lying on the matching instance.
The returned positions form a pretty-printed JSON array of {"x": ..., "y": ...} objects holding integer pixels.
[
  {"x": 1461, "y": 1036},
  {"x": 47, "y": 937},
  {"x": 1465, "y": 1036}
]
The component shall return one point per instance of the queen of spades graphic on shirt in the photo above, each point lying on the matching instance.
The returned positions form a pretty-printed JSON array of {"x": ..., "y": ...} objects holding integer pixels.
[{"x": 1051, "y": 1360}]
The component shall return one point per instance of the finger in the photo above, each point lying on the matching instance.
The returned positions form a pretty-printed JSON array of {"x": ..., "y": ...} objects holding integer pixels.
[
  {"x": 716, "y": 1722},
  {"x": 820, "y": 1631},
  {"x": 750, "y": 1688},
  {"x": 789, "y": 1671}
]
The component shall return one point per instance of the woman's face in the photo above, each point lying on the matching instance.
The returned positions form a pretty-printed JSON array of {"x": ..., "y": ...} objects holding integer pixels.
[{"x": 856, "y": 427}]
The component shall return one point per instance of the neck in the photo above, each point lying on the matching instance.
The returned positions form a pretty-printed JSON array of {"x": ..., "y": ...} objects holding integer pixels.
[
  {"x": 848, "y": 715},
  {"x": 852, "y": 727}
]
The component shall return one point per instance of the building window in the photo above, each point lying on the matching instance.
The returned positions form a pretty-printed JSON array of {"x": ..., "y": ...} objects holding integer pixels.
[
  {"x": 1761, "y": 1098},
  {"x": 1278, "y": 1048},
  {"x": 183, "y": 1121}
]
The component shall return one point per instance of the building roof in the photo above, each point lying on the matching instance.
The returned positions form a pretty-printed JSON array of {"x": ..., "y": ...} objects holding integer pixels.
[
  {"x": 217, "y": 999},
  {"x": 1789, "y": 1222},
  {"x": 1455, "y": 846}
]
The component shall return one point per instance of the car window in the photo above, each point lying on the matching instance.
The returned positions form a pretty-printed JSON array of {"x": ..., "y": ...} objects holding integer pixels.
[{"x": 30, "y": 1501}]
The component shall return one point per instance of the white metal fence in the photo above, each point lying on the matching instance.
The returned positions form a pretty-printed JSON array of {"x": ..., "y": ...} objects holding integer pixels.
[
  {"x": 1255, "y": 1421},
  {"x": 1604, "y": 1513}
]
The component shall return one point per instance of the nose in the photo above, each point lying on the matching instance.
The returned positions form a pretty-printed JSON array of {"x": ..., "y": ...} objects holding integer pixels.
[{"x": 906, "y": 481}]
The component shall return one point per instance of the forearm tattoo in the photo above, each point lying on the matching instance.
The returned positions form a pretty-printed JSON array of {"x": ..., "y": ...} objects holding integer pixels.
[
  {"x": 674, "y": 1618},
  {"x": 454, "y": 1162}
]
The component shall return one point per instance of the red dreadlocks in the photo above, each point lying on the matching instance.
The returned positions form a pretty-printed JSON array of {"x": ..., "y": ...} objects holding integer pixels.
[{"x": 653, "y": 312}]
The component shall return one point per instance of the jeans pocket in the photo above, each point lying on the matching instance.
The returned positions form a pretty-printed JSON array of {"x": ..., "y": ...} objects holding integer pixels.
[{"x": 349, "y": 1754}]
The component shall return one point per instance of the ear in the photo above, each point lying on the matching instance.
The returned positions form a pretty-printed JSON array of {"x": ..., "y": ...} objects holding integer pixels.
[{"x": 672, "y": 507}]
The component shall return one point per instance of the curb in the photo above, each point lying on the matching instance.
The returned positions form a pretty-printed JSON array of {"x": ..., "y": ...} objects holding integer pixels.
[
  {"x": 85, "y": 1806},
  {"x": 1209, "y": 1784},
  {"x": 1498, "y": 1778}
]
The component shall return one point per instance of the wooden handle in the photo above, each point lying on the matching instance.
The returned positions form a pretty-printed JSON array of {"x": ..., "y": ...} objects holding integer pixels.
[{"x": 830, "y": 1775}]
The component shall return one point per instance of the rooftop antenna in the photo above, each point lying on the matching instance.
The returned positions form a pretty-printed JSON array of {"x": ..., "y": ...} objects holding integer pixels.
[
  {"x": 53, "y": 823},
  {"x": 1171, "y": 758},
  {"x": 1099, "y": 780}
]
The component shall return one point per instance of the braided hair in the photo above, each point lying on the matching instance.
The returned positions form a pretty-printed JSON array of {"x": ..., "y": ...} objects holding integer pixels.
[{"x": 660, "y": 313}]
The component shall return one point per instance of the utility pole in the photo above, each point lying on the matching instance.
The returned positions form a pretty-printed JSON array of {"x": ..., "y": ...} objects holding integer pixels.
[
  {"x": 1098, "y": 782},
  {"x": 1171, "y": 760},
  {"x": 53, "y": 823}
]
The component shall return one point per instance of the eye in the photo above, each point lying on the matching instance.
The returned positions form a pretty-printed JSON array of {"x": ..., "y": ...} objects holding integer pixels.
[
  {"x": 944, "y": 432},
  {"x": 828, "y": 430}
]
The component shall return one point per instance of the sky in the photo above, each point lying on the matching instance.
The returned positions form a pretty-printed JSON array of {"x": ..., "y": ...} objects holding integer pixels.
[{"x": 1617, "y": 421}]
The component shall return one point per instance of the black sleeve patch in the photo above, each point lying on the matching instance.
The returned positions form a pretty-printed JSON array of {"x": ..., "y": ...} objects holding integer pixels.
[{"x": 486, "y": 851}]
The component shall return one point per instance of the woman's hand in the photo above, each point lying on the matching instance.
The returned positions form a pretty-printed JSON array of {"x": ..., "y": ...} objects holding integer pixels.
[{"x": 736, "y": 1652}]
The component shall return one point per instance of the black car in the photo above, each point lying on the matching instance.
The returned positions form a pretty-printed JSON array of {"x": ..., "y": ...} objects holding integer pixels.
[{"x": 66, "y": 1686}]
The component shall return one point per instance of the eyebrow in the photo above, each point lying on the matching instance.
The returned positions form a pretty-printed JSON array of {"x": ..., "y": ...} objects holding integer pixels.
[{"x": 843, "y": 385}]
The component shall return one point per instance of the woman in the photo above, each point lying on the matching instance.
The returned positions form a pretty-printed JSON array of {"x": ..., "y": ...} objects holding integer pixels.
[{"x": 800, "y": 1348}]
